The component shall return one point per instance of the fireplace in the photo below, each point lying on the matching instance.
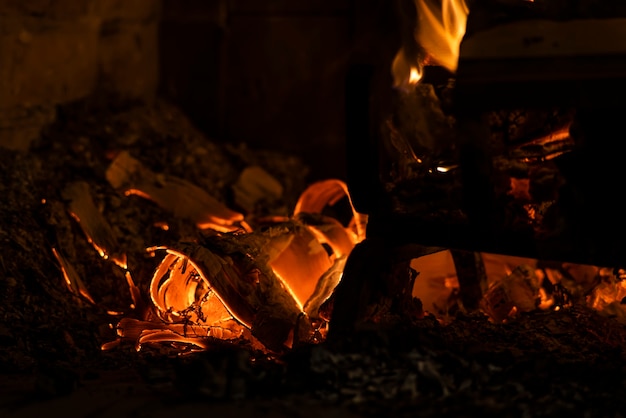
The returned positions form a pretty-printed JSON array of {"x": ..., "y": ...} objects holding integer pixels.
[{"x": 145, "y": 257}]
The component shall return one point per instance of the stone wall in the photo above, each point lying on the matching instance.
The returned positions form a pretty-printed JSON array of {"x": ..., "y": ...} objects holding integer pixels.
[{"x": 56, "y": 51}]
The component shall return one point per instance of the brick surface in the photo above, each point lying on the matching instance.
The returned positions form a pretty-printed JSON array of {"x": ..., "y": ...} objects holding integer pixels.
[
  {"x": 128, "y": 58},
  {"x": 44, "y": 61}
]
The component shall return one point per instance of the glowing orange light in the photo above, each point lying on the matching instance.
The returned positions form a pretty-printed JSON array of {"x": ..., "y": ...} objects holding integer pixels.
[
  {"x": 414, "y": 76},
  {"x": 439, "y": 31}
]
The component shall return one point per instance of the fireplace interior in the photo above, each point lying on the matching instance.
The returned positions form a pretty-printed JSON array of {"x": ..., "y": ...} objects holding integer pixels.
[{"x": 274, "y": 208}]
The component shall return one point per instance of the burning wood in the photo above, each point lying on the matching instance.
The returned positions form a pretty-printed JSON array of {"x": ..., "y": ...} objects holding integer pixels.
[
  {"x": 72, "y": 278},
  {"x": 264, "y": 287},
  {"x": 326, "y": 193},
  {"x": 297, "y": 257},
  {"x": 274, "y": 287},
  {"x": 517, "y": 285},
  {"x": 192, "y": 283},
  {"x": 226, "y": 281}
]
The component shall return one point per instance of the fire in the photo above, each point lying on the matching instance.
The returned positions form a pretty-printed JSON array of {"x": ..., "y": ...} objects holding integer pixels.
[
  {"x": 404, "y": 72},
  {"x": 269, "y": 287},
  {"x": 439, "y": 31},
  {"x": 265, "y": 286},
  {"x": 520, "y": 284}
]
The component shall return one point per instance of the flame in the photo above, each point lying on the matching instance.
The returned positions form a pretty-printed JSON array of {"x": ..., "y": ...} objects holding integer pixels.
[
  {"x": 439, "y": 31},
  {"x": 262, "y": 296},
  {"x": 405, "y": 73},
  {"x": 520, "y": 284}
]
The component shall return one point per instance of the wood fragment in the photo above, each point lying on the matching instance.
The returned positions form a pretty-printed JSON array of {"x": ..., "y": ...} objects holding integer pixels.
[
  {"x": 256, "y": 185},
  {"x": 326, "y": 193},
  {"x": 249, "y": 290},
  {"x": 519, "y": 291},
  {"x": 95, "y": 227},
  {"x": 178, "y": 196},
  {"x": 302, "y": 262},
  {"x": 324, "y": 288},
  {"x": 72, "y": 278}
]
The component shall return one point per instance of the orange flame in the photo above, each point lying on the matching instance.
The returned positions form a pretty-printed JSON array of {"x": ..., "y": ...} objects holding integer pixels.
[
  {"x": 197, "y": 294},
  {"x": 441, "y": 28},
  {"x": 439, "y": 31}
]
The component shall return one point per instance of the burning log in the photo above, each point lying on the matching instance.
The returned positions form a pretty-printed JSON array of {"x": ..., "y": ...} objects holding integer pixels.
[
  {"x": 266, "y": 287},
  {"x": 193, "y": 280},
  {"x": 297, "y": 257}
]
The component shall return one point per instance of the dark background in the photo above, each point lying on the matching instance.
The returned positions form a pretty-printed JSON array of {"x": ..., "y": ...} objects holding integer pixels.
[{"x": 270, "y": 73}]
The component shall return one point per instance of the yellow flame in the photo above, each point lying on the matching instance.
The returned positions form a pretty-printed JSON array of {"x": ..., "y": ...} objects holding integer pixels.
[
  {"x": 405, "y": 73},
  {"x": 414, "y": 75},
  {"x": 439, "y": 31}
]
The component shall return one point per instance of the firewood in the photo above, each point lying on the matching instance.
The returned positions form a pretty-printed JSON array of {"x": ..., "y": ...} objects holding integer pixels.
[
  {"x": 97, "y": 230},
  {"x": 182, "y": 198},
  {"x": 255, "y": 186}
]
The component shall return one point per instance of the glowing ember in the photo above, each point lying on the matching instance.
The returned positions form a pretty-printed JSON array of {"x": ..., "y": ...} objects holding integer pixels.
[
  {"x": 96, "y": 229},
  {"x": 271, "y": 288},
  {"x": 299, "y": 261},
  {"x": 72, "y": 279},
  {"x": 519, "y": 284},
  {"x": 252, "y": 286}
]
